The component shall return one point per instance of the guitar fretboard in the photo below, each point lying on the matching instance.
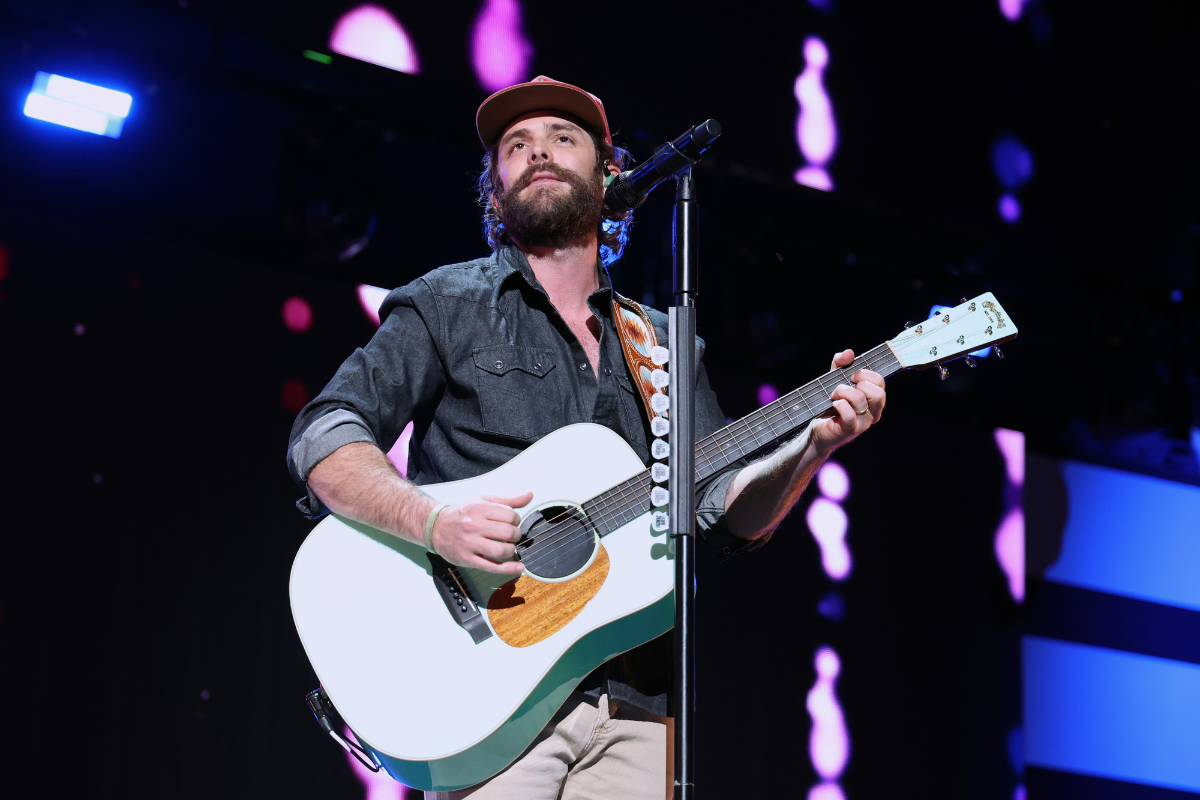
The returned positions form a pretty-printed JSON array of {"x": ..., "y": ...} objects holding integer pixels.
[{"x": 747, "y": 437}]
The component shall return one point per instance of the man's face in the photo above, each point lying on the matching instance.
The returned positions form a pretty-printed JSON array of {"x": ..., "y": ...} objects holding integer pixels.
[{"x": 550, "y": 193}]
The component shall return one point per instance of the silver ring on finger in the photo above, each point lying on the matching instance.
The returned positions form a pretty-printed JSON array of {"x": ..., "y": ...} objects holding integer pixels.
[{"x": 864, "y": 411}]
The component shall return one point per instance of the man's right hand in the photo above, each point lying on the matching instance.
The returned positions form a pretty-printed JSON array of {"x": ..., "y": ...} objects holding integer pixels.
[{"x": 481, "y": 533}]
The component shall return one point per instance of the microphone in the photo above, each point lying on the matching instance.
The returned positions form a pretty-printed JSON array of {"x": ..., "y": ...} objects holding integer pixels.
[{"x": 629, "y": 188}]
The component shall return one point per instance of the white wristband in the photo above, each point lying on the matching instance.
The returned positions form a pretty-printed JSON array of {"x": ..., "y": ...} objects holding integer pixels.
[{"x": 430, "y": 521}]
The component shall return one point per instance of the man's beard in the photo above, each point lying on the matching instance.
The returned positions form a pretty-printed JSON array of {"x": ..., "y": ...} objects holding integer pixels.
[{"x": 549, "y": 218}]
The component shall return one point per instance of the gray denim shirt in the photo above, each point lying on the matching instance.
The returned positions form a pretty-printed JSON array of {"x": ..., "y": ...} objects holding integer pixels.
[{"x": 477, "y": 357}]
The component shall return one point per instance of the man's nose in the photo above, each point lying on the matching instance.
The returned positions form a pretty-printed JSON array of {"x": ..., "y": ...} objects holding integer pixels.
[{"x": 539, "y": 152}]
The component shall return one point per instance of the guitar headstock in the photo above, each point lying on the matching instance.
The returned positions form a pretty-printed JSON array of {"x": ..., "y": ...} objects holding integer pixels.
[{"x": 954, "y": 332}]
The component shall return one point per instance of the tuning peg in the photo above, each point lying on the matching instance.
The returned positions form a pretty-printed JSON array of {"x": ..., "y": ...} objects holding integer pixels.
[
  {"x": 908, "y": 325},
  {"x": 999, "y": 353},
  {"x": 970, "y": 362},
  {"x": 945, "y": 373},
  {"x": 962, "y": 300}
]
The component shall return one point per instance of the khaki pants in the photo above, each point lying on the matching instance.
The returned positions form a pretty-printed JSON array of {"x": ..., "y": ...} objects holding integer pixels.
[{"x": 583, "y": 754}]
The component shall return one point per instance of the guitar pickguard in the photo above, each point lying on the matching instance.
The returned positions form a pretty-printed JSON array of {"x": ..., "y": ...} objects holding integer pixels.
[{"x": 527, "y": 610}]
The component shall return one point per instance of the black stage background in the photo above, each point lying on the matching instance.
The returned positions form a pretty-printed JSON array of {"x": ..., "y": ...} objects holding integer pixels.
[{"x": 149, "y": 531}]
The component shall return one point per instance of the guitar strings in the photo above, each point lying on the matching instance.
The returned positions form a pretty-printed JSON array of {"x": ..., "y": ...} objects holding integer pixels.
[
  {"x": 603, "y": 513},
  {"x": 610, "y": 503},
  {"x": 871, "y": 359},
  {"x": 822, "y": 390},
  {"x": 773, "y": 412}
]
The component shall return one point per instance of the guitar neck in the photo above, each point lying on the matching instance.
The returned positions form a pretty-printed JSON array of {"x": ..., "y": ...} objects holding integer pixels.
[
  {"x": 754, "y": 432},
  {"x": 751, "y": 434}
]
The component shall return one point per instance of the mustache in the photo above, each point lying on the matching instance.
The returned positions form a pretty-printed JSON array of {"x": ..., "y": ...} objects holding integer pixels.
[
  {"x": 562, "y": 173},
  {"x": 551, "y": 218}
]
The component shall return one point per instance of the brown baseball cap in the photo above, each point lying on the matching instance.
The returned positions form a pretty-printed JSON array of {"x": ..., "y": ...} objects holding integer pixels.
[{"x": 539, "y": 94}]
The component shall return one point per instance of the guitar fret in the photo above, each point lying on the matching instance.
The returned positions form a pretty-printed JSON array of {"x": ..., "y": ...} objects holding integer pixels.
[
  {"x": 757, "y": 431},
  {"x": 787, "y": 409},
  {"x": 804, "y": 398},
  {"x": 736, "y": 436}
]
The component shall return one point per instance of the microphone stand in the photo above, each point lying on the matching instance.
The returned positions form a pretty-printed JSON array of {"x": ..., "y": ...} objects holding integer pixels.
[
  {"x": 682, "y": 478},
  {"x": 628, "y": 190}
]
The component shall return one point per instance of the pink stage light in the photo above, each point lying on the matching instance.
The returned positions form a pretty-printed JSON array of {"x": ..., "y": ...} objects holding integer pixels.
[
  {"x": 814, "y": 178},
  {"x": 398, "y": 455},
  {"x": 1009, "y": 542},
  {"x": 376, "y": 785},
  {"x": 816, "y": 130},
  {"x": 297, "y": 314},
  {"x": 828, "y": 524},
  {"x": 500, "y": 52},
  {"x": 1009, "y": 547},
  {"x": 1012, "y": 447},
  {"x": 1012, "y": 9},
  {"x": 767, "y": 394},
  {"x": 371, "y": 33},
  {"x": 370, "y": 298},
  {"x": 833, "y": 481},
  {"x": 826, "y": 791},
  {"x": 829, "y": 741}
]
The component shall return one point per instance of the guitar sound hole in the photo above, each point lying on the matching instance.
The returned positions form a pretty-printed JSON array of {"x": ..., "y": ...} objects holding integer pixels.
[{"x": 558, "y": 542}]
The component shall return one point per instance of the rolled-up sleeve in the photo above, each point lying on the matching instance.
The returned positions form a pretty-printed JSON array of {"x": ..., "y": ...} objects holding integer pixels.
[{"x": 375, "y": 392}]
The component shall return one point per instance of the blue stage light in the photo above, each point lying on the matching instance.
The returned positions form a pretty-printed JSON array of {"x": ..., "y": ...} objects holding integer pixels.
[
  {"x": 78, "y": 105},
  {"x": 984, "y": 353}
]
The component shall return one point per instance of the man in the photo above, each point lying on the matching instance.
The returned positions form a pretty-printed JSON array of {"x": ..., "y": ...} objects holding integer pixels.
[{"x": 487, "y": 357}]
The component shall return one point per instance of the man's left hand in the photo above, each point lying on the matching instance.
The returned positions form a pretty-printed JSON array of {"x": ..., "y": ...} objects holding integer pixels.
[{"x": 856, "y": 407}]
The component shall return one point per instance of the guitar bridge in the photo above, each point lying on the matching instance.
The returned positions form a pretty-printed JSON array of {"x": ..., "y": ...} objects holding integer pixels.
[{"x": 460, "y": 597}]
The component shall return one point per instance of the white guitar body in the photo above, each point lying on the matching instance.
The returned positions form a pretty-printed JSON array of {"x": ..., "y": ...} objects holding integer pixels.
[{"x": 411, "y": 683}]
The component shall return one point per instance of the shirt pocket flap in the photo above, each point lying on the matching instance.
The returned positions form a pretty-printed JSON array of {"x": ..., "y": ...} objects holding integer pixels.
[{"x": 502, "y": 359}]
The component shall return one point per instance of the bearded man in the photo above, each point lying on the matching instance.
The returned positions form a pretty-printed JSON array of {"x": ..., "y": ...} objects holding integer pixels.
[{"x": 487, "y": 357}]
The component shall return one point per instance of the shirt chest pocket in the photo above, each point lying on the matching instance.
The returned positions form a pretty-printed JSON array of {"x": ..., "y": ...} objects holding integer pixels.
[{"x": 517, "y": 392}]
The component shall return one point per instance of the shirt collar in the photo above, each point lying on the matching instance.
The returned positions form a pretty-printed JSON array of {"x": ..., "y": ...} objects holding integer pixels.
[{"x": 510, "y": 261}]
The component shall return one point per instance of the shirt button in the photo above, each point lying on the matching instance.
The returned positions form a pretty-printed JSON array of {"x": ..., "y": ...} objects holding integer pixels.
[
  {"x": 725, "y": 551},
  {"x": 537, "y": 366},
  {"x": 608, "y": 370},
  {"x": 499, "y": 365},
  {"x": 582, "y": 367}
]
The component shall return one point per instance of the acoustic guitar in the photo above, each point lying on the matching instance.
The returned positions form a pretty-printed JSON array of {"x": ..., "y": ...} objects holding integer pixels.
[{"x": 446, "y": 674}]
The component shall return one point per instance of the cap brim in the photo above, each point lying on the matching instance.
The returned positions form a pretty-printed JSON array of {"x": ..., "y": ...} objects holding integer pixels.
[{"x": 507, "y": 104}]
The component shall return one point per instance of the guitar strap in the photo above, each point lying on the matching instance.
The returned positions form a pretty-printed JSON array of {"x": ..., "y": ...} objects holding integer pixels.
[{"x": 638, "y": 338}]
